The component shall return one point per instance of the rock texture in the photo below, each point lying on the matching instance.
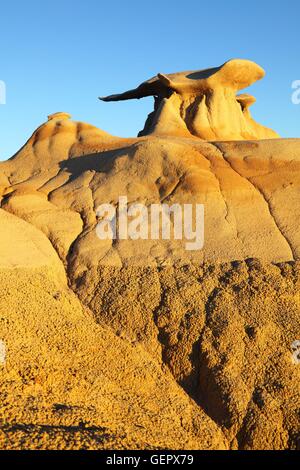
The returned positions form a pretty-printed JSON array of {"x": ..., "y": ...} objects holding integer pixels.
[
  {"x": 137, "y": 344},
  {"x": 72, "y": 383},
  {"x": 203, "y": 103}
]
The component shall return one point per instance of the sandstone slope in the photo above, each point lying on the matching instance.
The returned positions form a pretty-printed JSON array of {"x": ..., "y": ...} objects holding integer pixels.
[{"x": 143, "y": 344}]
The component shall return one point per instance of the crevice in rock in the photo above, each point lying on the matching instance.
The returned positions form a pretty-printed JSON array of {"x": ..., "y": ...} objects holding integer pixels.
[{"x": 264, "y": 197}]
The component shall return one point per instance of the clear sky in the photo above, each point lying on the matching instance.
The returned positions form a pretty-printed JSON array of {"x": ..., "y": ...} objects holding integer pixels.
[{"x": 61, "y": 55}]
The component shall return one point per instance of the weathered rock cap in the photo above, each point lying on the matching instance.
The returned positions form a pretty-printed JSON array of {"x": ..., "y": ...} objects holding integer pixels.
[
  {"x": 245, "y": 100},
  {"x": 236, "y": 74}
]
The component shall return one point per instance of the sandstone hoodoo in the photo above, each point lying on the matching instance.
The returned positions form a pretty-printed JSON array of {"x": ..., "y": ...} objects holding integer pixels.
[
  {"x": 137, "y": 342},
  {"x": 202, "y": 103}
]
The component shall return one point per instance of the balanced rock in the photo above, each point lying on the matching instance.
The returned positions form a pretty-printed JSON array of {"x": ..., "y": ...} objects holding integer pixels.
[
  {"x": 140, "y": 343},
  {"x": 203, "y": 103}
]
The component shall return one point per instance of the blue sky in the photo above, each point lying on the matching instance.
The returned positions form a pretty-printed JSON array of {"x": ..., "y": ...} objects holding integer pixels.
[{"x": 61, "y": 55}]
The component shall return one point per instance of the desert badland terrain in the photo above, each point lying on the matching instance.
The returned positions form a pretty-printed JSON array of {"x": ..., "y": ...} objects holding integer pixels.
[{"x": 139, "y": 344}]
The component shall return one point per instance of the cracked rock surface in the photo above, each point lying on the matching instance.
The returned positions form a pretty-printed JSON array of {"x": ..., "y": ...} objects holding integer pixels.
[{"x": 142, "y": 344}]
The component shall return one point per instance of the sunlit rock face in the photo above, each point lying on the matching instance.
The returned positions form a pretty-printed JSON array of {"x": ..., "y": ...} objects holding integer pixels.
[
  {"x": 134, "y": 344},
  {"x": 202, "y": 103}
]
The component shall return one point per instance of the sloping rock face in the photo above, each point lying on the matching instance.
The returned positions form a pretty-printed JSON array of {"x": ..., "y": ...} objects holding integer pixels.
[
  {"x": 140, "y": 344},
  {"x": 71, "y": 383},
  {"x": 203, "y": 103}
]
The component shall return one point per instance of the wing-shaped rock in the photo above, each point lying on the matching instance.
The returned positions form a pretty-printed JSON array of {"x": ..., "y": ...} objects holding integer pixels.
[{"x": 202, "y": 103}]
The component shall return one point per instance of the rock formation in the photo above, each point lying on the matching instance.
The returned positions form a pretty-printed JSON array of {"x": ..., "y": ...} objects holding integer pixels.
[
  {"x": 202, "y": 103},
  {"x": 134, "y": 344}
]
